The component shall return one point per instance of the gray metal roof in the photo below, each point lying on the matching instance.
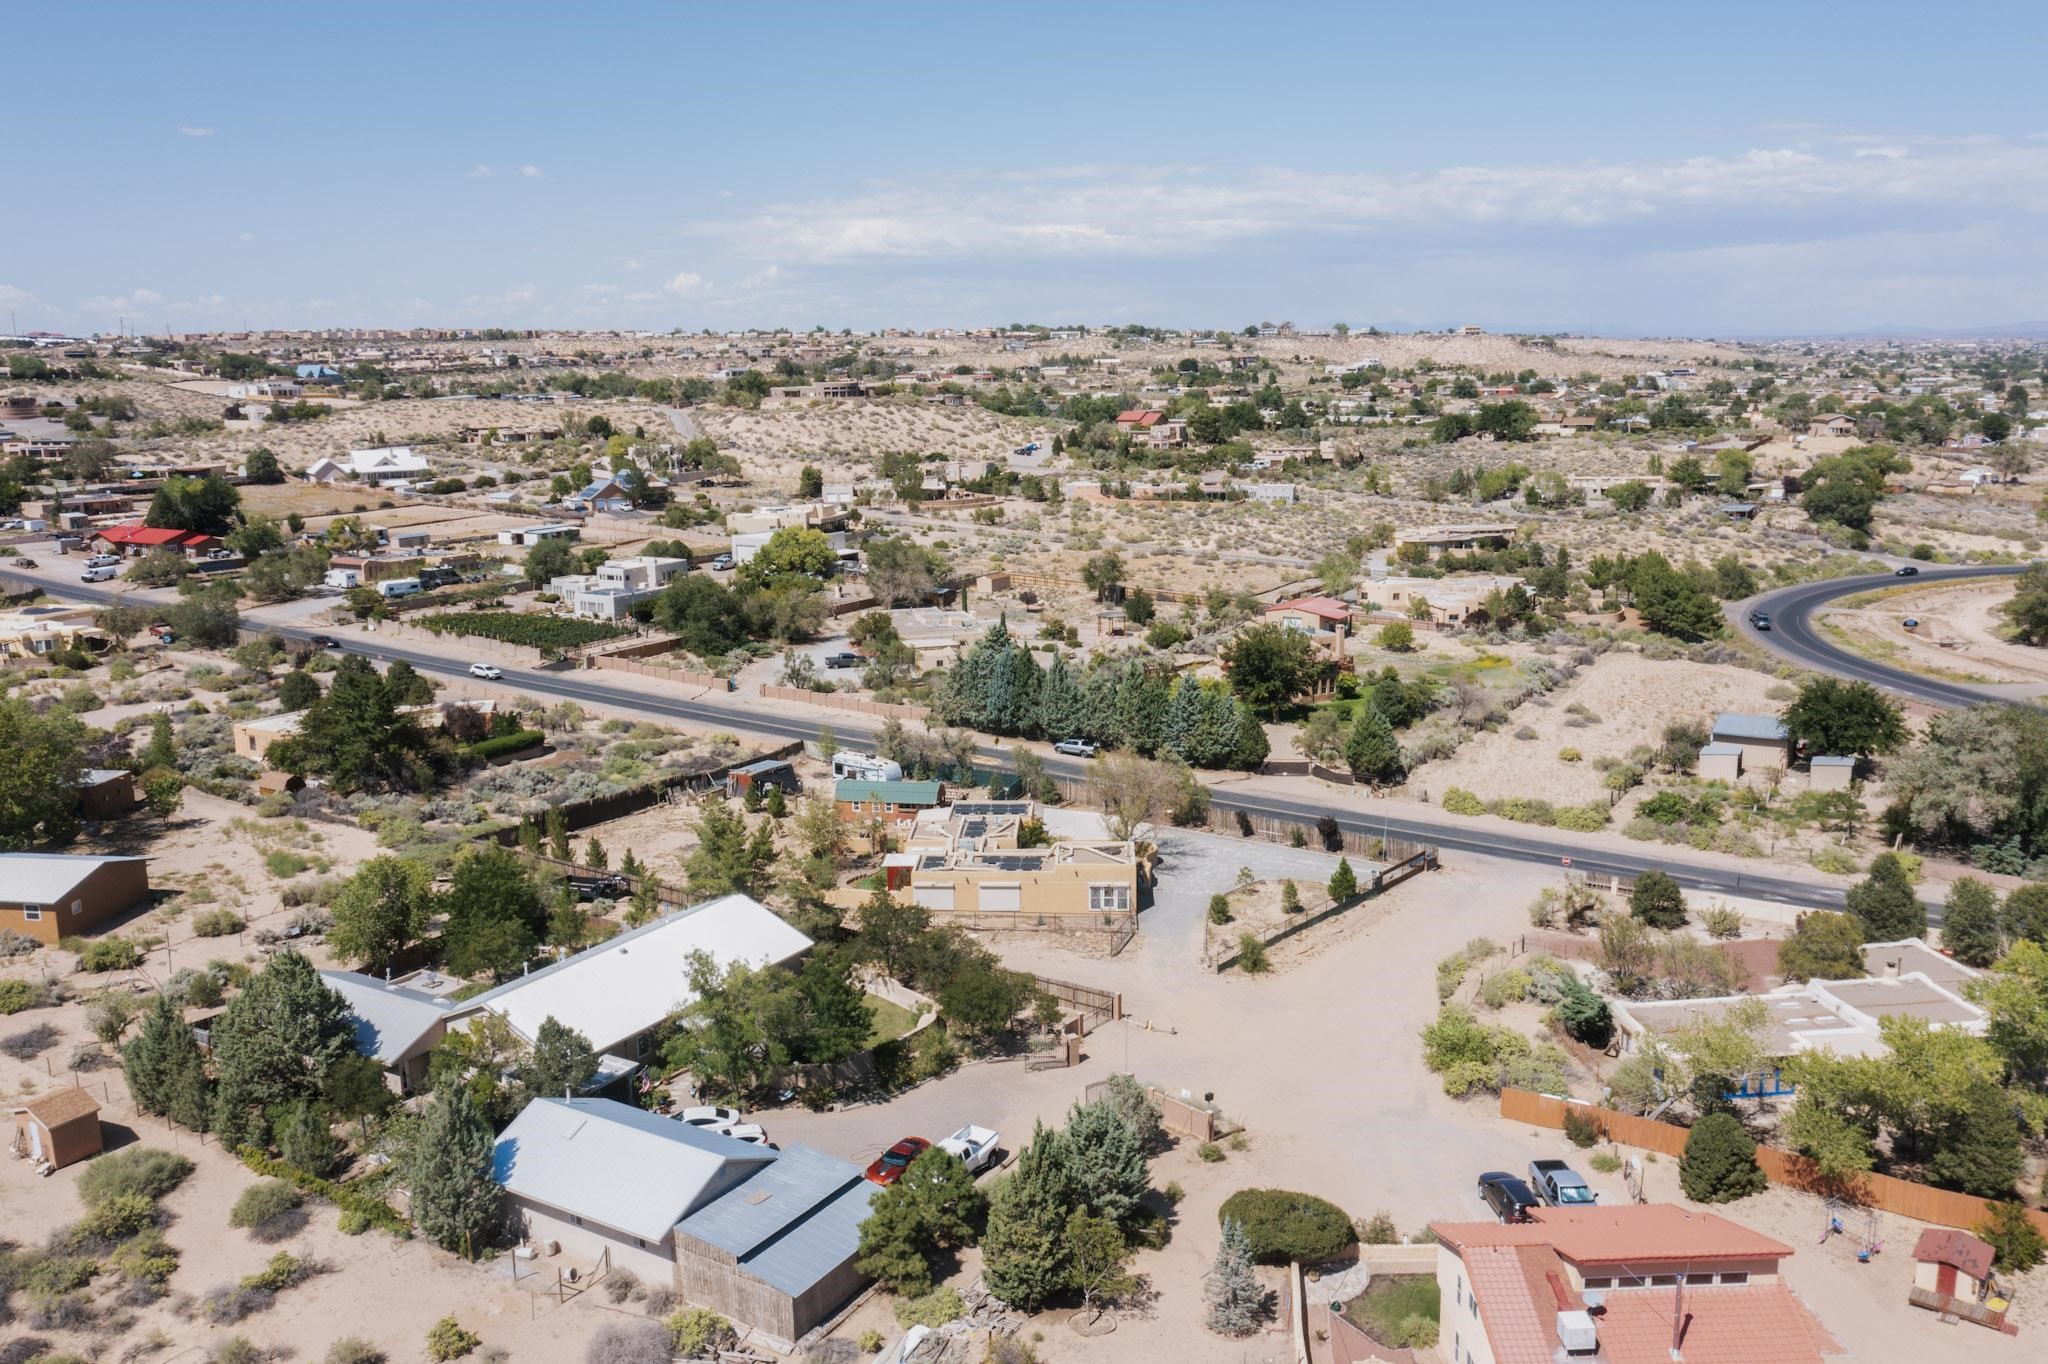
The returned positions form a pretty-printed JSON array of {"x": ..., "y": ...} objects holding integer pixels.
[
  {"x": 1721, "y": 751},
  {"x": 618, "y": 1165},
  {"x": 390, "y": 1019},
  {"x": 814, "y": 1231},
  {"x": 1731, "y": 724},
  {"x": 48, "y": 878},
  {"x": 1832, "y": 761},
  {"x": 784, "y": 1193}
]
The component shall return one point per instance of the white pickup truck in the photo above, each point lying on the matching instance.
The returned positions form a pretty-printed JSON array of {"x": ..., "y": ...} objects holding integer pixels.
[{"x": 975, "y": 1146}]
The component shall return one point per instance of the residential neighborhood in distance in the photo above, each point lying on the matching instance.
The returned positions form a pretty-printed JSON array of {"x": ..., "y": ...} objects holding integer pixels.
[{"x": 1125, "y": 687}]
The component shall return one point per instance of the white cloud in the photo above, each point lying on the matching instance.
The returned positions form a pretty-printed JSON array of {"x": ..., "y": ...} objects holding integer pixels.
[
  {"x": 247, "y": 237},
  {"x": 478, "y": 172},
  {"x": 134, "y": 301},
  {"x": 187, "y": 130},
  {"x": 688, "y": 282},
  {"x": 633, "y": 263},
  {"x": 533, "y": 172},
  {"x": 1182, "y": 211}
]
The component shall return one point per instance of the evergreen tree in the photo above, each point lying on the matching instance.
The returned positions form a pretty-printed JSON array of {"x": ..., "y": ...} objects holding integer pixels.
[
  {"x": 1105, "y": 1159},
  {"x": 837, "y": 1017},
  {"x": 1884, "y": 903},
  {"x": 1062, "y": 711},
  {"x": 934, "y": 1205},
  {"x": 354, "y": 735},
  {"x": 1012, "y": 697},
  {"x": 893, "y": 1248},
  {"x": 1657, "y": 900},
  {"x": 1141, "y": 705},
  {"x": 381, "y": 911},
  {"x": 1979, "y": 1150},
  {"x": 1343, "y": 881},
  {"x": 562, "y": 1060},
  {"x": 495, "y": 914},
  {"x": 406, "y": 686},
  {"x": 1719, "y": 1164},
  {"x": 1024, "y": 1255},
  {"x": 1098, "y": 706},
  {"x": 1182, "y": 726},
  {"x": 297, "y": 691},
  {"x": 162, "y": 748},
  {"x": 454, "y": 1198},
  {"x": 303, "y": 1138},
  {"x": 1970, "y": 923},
  {"x": 146, "y": 1058},
  {"x": 1370, "y": 750},
  {"x": 1251, "y": 748},
  {"x": 1236, "y": 1301},
  {"x": 558, "y": 834},
  {"x": 274, "y": 1043}
]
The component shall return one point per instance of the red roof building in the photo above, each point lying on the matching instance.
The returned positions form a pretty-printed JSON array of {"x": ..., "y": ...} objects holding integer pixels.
[
  {"x": 1613, "y": 1283},
  {"x": 139, "y": 539},
  {"x": 1139, "y": 418}
]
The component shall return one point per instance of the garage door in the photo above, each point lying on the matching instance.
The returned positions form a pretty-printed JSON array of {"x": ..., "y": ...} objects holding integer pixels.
[
  {"x": 1002, "y": 898},
  {"x": 933, "y": 897}
]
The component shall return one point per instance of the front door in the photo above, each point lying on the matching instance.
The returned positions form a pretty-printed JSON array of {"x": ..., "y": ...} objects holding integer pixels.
[{"x": 1945, "y": 1281}]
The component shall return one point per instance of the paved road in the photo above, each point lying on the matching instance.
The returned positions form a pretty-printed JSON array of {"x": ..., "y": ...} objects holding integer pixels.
[
  {"x": 1451, "y": 833},
  {"x": 1794, "y": 635}
]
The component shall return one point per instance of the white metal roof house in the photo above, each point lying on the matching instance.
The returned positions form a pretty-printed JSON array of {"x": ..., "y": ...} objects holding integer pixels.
[
  {"x": 764, "y": 1237},
  {"x": 617, "y": 992}
]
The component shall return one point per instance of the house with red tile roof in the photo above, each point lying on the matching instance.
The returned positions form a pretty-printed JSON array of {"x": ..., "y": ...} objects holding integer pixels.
[
  {"x": 1138, "y": 419},
  {"x": 1637, "y": 1284},
  {"x": 136, "y": 540},
  {"x": 1312, "y": 615}
]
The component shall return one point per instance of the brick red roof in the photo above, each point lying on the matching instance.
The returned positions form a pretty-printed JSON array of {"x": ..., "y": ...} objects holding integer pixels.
[
  {"x": 61, "y": 1106},
  {"x": 1139, "y": 416},
  {"x": 1736, "y": 1324},
  {"x": 151, "y": 535},
  {"x": 1944, "y": 1247},
  {"x": 1662, "y": 1232},
  {"x": 1329, "y": 608}
]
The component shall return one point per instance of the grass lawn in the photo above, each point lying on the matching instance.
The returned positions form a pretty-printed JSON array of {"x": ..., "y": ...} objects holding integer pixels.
[
  {"x": 891, "y": 1021},
  {"x": 1389, "y": 1305}
]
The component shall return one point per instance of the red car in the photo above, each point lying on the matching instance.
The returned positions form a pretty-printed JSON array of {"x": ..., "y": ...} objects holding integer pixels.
[{"x": 890, "y": 1165}]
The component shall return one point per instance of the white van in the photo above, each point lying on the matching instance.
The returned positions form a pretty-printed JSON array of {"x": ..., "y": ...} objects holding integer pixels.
[
  {"x": 97, "y": 574},
  {"x": 864, "y": 767}
]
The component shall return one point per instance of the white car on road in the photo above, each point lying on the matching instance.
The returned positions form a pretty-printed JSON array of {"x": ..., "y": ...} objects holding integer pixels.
[
  {"x": 1075, "y": 748},
  {"x": 486, "y": 671}
]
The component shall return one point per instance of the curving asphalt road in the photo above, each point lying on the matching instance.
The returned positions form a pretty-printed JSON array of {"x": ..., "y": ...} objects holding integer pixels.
[
  {"x": 1449, "y": 833},
  {"x": 1794, "y": 635}
]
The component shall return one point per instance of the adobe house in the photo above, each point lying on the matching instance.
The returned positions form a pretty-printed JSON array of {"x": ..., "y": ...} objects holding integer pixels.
[{"x": 59, "y": 1129}]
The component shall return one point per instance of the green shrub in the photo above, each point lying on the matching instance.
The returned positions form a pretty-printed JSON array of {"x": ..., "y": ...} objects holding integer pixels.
[
  {"x": 145, "y": 1258},
  {"x": 1606, "y": 1162},
  {"x": 1580, "y": 1128},
  {"x": 373, "y": 1211},
  {"x": 284, "y": 865},
  {"x": 269, "y": 1210},
  {"x": 934, "y": 1309},
  {"x": 218, "y": 923},
  {"x": 1283, "y": 1225},
  {"x": 1504, "y": 989},
  {"x": 1210, "y": 1152},
  {"x": 1722, "y": 922},
  {"x": 1583, "y": 1013},
  {"x": 2016, "y": 1243},
  {"x": 1251, "y": 956},
  {"x": 353, "y": 1350},
  {"x": 870, "y": 1342},
  {"x": 1569, "y": 755},
  {"x": 16, "y": 995},
  {"x": 138, "y": 1170},
  {"x": 447, "y": 1340},
  {"x": 114, "y": 1219},
  {"x": 1834, "y": 860},
  {"x": 697, "y": 1332},
  {"x": 518, "y": 741},
  {"x": 237, "y": 1350},
  {"x": 1219, "y": 912},
  {"x": 109, "y": 954},
  {"x": 284, "y": 1270},
  {"x": 533, "y": 632},
  {"x": 1719, "y": 1164},
  {"x": 1582, "y": 819},
  {"x": 1459, "y": 801}
]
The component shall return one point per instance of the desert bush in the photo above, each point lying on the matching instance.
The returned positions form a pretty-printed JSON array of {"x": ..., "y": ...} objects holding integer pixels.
[
  {"x": 113, "y": 1220},
  {"x": 933, "y": 1309},
  {"x": 1283, "y": 1225},
  {"x": 447, "y": 1340},
  {"x": 58, "y": 1312},
  {"x": 699, "y": 1333},
  {"x": 1722, "y": 922},
  {"x": 238, "y": 1350},
  {"x": 1459, "y": 801},
  {"x": 16, "y": 995},
  {"x": 284, "y": 1270},
  {"x": 1377, "y": 1230},
  {"x": 620, "y": 1284},
  {"x": 629, "y": 1342},
  {"x": 225, "y": 1304},
  {"x": 109, "y": 954},
  {"x": 1209, "y": 1152},
  {"x": 660, "y": 1302},
  {"x": 138, "y": 1170},
  {"x": 14, "y": 943},
  {"x": 145, "y": 1258},
  {"x": 1580, "y": 1129},
  {"x": 1606, "y": 1162},
  {"x": 1582, "y": 819},
  {"x": 218, "y": 923},
  {"x": 1569, "y": 755},
  {"x": 1834, "y": 860},
  {"x": 270, "y": 1210},
  {"x": 1504, "y": 989}
]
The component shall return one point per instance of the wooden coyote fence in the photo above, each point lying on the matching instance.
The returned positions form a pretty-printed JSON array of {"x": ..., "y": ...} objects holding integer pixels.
[
  {"x": 1382, "y": 881},
  {"x": 1096, "y": 1007},
  {"x": 1901, "y": 1196}
]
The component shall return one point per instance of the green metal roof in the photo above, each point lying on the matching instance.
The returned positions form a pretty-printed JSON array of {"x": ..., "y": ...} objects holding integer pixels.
[{"x": 889, "y": 792}]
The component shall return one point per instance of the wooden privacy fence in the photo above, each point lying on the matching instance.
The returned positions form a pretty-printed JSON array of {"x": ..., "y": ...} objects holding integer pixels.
[
  {"x": 1920, "y": 1202},
  {"x": 1188, "y": 1117},
  {"x": 1096, "y": 1007},
  {"x": 839, "y": 701}
]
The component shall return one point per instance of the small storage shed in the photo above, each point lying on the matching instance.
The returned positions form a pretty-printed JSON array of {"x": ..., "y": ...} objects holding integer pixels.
[
  {"x": 1721, "y": 762},
  {"x": 762, "y": 775},
  {"x": 1830, "y": 774},
  {"x": 59, "y": 1129},
  {"x": 1762, "y": 738},
  {"x": 106, "y": 793}
]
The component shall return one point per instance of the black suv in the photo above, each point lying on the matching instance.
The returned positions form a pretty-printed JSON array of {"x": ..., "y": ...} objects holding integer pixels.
[{"x": 1509, "y": 1197}]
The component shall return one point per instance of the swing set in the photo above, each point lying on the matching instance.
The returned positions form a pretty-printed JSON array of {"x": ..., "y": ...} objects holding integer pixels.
[{"x": 1868, "y": 1233}]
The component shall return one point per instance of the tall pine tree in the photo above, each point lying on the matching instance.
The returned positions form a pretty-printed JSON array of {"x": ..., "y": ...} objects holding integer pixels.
[
  {"x": 1181, "y": 731},
  {"x": 1061, "y": 710},
  {"x": 455, "y": 1200},
  {"x": 1236, "y": 1301},
  {"x": 1370, "y": 750},
  {"x": 1024, "y": 1254},
  {"x": 274, "y": 1043}
]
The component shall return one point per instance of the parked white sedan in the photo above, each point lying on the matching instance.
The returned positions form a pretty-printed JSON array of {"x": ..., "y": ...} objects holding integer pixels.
[{"x": 709, "y": 1115}]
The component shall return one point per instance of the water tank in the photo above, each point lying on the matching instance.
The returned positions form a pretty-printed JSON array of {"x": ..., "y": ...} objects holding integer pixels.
[{"x": 1576, "y": 1334}]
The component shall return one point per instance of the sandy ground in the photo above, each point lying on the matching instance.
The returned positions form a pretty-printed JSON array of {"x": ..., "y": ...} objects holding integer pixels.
[
  {"x": 1959, "y": 628},
  {"x": 1631, "y": 699}
]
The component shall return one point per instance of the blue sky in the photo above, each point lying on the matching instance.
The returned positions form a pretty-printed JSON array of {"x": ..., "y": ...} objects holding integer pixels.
[{"x": 1739, "y": 169}]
